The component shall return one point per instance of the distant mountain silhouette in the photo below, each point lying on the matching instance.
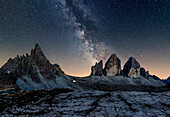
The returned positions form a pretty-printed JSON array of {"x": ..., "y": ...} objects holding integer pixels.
[{"x": 167, "y": 81}]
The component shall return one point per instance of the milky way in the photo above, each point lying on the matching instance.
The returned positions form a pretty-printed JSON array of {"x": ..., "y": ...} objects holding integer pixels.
[
  {"x": 85, "y": 29},
  {"x": 81, "y": 32}
]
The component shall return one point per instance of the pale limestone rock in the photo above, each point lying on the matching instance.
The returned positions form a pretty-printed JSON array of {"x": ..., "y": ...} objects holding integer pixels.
[
  {"x": 112, "y": 66},
  {"x": 132, "y": 68}
]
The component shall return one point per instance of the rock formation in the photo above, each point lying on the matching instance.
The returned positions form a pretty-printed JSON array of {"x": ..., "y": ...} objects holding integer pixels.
[
  {"x": 35, "y": 72},
  {"x": 92, "y": 103},
  {"x": 144, "y": 73},
  {"x": 36, "y": 66},
  {"x": 131, "y": 68},
  {"x": 46, "y": 68},
  {"x": 97, "y": 70},
  {"x": 112, "y": 66}
]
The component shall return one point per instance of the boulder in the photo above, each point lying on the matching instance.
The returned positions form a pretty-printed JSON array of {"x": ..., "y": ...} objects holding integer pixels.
[
  {"x": 97, "y": 70},
  {"x": 112, "y": 66},
  {"x": 131, "y": 68}
]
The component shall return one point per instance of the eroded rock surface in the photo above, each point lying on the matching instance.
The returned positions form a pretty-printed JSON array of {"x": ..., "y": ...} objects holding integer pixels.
[
  {"x": 112, "y": 66},
  {"x": 33, "y": 69},
  {"x": 144, "y": 73},
  {"x": 97, "y": 70},
  {"x": 35, "y": 72},
  {"x": 132, "y": 68},
  {"x": 87, "y": 103}
]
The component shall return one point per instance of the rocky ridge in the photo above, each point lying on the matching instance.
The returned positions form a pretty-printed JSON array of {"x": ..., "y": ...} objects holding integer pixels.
[
  {"x": 131, "y": 69},
  {"x": 35, "y": 66},
  {"x": 35, "y": 72},
  {"x": 112, "y": 66},
  {"x": 167, "y": 81},
  {"x": 97, "y": 70}
]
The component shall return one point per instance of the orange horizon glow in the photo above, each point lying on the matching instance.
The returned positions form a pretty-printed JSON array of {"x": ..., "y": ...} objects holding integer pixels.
[
  {"x": 88, "y": 73},
  {"x": 85, "y": 69}
]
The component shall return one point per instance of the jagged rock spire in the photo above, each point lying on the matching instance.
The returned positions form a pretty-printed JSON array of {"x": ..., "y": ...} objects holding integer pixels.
[
  {"x": 97, "y": 70},
  {"x": 132, "y": 68},
  {"x": 37, "y": 54},
  {"x": 112, "y": 66},
  {"x": 46, "y": 68},
  {"x": 33, "y": 65},
  {"x": 144, "y": 73}
]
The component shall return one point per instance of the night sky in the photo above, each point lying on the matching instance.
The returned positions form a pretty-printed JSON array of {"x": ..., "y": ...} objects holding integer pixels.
[{"x": 77, "y": 33}]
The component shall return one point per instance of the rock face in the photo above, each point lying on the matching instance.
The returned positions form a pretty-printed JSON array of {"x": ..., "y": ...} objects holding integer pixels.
[
  {"x": 112, "y": 66},
  {"x": 36, "y": 66},
  {"x": 90, "y": 103},
  {"x": 131, "y": 68},
  {"x": 46, "y": 68},
  {"x": 35, "y": 72},
  {"x": 144, "y": 73},
  {"x": 97, "y": 70}
]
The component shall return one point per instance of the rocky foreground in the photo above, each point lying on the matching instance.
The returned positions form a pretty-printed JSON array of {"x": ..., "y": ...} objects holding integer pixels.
[
  {"x": 65, "y": 102},
  {"x": 31, "y": 86}
]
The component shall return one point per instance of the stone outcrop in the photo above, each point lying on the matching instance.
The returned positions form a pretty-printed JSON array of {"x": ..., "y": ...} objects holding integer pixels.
[
  {"x": 112, "y": 66},
  {"x": 92, "y": 103},
  {"x": 45, "y": 67},
  {"x": 144, "y": 73},
  {"x": 57, "y": 70},
  {"x": 131, "y": 68},
  {"x": 97, "y": 70},
  {"x": 35, "y": 72},
  {"x": 35, "y": 65}
]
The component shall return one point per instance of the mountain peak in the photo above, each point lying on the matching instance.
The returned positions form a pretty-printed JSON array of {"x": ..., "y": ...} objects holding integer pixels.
[
  {"x": 113, "y": 55},
  {"x": 133, "y": 62},
  {"x": 37, "y": 46},
  {"x": 112, "y": 66},
  {"x": 132, "y": 58},
  {"x": 168, "y": 78},
  {"x": 37, "y": 49},
  {"x": 132, "y": 68},
  {"x": 97, "y": 69},
  {"x": 37, "y": 54}
]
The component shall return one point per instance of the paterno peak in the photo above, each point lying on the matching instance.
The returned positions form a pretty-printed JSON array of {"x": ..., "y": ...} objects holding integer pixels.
[{"x": 36, "y": 67}]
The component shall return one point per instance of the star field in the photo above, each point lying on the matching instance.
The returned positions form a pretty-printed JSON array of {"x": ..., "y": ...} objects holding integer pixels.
[{"x": 77, "y": 33}]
